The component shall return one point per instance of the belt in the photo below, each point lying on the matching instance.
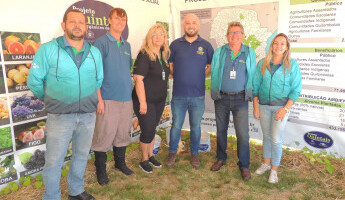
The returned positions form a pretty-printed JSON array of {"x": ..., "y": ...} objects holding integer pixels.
[{"x": 232, "y": 93}]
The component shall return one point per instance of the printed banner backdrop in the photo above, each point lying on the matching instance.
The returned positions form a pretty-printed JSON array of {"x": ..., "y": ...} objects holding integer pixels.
[
  {"x": 317, "y": 120},
  {"x": 22, "y": 115}
]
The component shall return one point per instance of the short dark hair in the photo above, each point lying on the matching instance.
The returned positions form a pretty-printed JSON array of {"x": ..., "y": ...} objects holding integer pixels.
[
  {"x": 119, "y": 12},
  {"x": 70, "y": 11}
]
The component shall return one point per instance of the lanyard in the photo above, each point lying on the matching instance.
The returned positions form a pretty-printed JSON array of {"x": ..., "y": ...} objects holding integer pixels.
[{"x": 163, "y": 72}]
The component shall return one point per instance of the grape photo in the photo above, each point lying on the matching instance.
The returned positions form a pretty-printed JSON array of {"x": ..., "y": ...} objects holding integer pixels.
[
  {"x": 26, "y": 106},
  {"x": 32, "y": 161}
]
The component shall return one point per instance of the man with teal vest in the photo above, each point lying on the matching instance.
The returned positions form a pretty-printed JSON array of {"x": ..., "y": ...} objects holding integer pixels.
[
  {"x": 66, "y": 73},
  {"x": 233, "y": 66}
]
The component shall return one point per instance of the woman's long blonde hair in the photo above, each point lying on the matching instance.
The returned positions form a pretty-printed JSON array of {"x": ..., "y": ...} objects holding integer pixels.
[
  {"x": 269, "y": 56},
  {"x": 147, "y": 46}
]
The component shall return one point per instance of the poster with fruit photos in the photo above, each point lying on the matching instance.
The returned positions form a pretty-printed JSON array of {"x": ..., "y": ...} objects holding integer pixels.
[
  {"x": 22, "y": 115},
  {"x": 16, "y": 76},
  {"x": 30, "y": 134},
  {"x": 19, "y": 46},
  {"x": 26, "y": 106},
  {"x": 30, "y": 161},
  {"x": 6, "y": 145}
]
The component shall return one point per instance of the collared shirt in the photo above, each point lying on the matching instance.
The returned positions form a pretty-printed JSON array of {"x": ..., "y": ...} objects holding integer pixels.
[
  {"x": 238, "y": 64},
  {"x": 189, "y": 62},
  {"x": 77, "y": 56},
  {"x": 274, "y": 68},
  {"x": 117, "y": 61}
]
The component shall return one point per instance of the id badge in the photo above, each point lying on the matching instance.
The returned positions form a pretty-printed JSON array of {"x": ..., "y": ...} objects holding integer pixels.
[
  {"x": 163, "y": 75},
  {"x": 233, "y": 74}
]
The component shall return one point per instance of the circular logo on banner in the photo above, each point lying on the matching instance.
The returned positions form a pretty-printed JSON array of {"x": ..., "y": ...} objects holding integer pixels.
[
  {"x": 97, "y": 14},
  {"x": 318, "y": 139}
]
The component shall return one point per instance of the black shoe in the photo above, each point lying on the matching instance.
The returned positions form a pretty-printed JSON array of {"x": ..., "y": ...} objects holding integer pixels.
[
  {"x": 154, "y": 162},
  {"x": 82, "y": 196},
  {"x": 120, "y": 160},
  {"x": 124, "y": 169},
  {"x": 102, "y": 177},
  {"x": 145, "y": 166}
]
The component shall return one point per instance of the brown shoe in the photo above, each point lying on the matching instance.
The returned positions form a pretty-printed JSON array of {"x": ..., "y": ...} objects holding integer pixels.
[
  {"x": 245, "y": 173},
  {"x": 171, "y": 160},
  {"x": 217, "y": 165},
  {"x": 194, "y": 161}
]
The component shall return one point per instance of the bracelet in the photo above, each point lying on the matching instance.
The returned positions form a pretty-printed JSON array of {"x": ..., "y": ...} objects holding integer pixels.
[{"x": 286, "y": 109}]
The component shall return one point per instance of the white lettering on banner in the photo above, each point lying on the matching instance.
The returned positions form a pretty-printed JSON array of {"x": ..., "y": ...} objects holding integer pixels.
[
  {"x": 5, "y": 180},
  {"x": 84, "y": 10},
  {"x": 189, "y": 1},
  {"x": 151, "y": 1}
]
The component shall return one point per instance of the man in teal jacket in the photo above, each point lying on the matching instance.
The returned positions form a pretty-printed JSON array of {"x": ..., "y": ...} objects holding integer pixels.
[
  {"x": 233, "y": 66},
  {"x": 66, "y": 73}
]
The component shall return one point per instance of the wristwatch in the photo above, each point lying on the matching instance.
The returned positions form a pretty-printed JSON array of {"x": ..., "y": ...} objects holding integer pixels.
[{"x": 286, "y": 109}]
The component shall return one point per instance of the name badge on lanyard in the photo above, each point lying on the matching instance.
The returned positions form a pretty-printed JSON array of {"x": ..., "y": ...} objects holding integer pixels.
[
  {"x": 163, "y": 75},
  {"x": 233, "y": 73}
]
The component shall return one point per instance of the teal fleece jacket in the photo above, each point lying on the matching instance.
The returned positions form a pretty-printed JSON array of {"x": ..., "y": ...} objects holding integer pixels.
[
  {"x": 217, "y": 68},
  {"x": 277, "y": 89},
  {"x": 55, "y": 78}
]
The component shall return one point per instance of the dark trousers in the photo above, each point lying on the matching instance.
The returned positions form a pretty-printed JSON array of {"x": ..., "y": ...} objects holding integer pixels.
[
  {"x": 239, "y": 108},
  {"x": 150, "y": 120}
]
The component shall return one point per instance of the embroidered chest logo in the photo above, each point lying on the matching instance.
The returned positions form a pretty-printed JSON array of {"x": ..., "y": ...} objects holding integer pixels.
[
  {"x": 200, "y": 51},
  {"x": 126, "y": 53}
]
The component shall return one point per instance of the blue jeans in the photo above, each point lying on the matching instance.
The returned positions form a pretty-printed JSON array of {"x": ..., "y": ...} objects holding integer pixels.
[
  {"x": 272, "y": 131},
  {"x": 60, "y": 129},
  {"x": 179, "y": 107},
  {"x": 239, "y": 108}
]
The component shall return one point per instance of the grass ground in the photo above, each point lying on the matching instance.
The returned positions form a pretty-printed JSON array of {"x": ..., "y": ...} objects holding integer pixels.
[{"x": 299, "y": 178}]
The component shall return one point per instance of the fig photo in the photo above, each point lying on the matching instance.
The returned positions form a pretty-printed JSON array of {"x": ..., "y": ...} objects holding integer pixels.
[{"x": 29, "y": 134}]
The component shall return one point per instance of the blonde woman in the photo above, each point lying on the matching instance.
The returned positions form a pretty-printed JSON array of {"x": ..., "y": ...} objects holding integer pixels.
[
  {"x": 151, "y": 72},
  {"x": 277, "y": 85}
]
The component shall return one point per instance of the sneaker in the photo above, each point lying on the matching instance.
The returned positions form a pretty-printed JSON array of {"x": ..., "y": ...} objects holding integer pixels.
[
  {"x": 262, "y": 169},
  {"x": 273, "y": 177},
  {"x": 145, "y": 166},
  {"x": 154, "y": 162}
]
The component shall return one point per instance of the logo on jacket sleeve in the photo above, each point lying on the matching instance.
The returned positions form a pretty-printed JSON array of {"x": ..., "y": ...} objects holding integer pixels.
[
  {"x": 34, "y": 65},
  {"x": 200, "y": 51}
]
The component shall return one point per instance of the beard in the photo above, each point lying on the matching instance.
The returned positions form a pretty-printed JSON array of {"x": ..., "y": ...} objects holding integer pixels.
[
  {"x": 74, "y": 37},
  {"x": 191, "y": 35}
]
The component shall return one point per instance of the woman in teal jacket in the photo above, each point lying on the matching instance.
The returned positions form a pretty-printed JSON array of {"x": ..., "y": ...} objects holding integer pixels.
[{"x": 277, "y": 84}]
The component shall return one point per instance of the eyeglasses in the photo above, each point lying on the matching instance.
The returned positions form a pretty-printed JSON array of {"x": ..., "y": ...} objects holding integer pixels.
[
  {"x": 160, "y": 34},
  {"x": 235, "y": 33}
]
